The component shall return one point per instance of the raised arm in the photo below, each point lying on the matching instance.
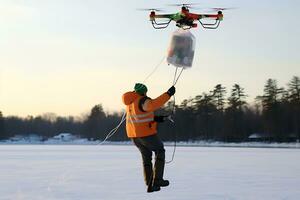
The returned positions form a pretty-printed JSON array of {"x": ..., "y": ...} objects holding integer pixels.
[{"x": 154, "y": 104}]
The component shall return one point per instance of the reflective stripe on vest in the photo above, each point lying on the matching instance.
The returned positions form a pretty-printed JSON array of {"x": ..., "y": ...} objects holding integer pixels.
[
  {"x": 140, "y": 115},
  {"x": 140, "y": 121},
  {"x": 141, "y": 118}
]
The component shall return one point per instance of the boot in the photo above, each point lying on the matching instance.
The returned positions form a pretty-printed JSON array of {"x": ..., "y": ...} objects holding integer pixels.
[
  {"x": 148, "y": 174},
  {"x": 153, "y": 188},
  {"x": 159, "y": 172},
  {"x": 161, "y": 183}
]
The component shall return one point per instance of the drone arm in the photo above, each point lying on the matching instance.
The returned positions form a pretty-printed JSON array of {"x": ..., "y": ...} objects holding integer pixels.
[
  {"x": 203, "y": 16},
  {"x": 169, "y": 16}
]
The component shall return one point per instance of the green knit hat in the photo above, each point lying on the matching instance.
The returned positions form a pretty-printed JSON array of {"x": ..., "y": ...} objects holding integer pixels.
[{"x": 140, "y": 88}]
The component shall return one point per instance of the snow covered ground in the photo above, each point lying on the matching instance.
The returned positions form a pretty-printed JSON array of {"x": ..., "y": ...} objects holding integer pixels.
[
  {"x": 113, "y": 172},
  {"x": 200, "y": 143}
]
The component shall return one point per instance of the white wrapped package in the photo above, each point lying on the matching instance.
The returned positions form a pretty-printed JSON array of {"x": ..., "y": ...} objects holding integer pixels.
[{"x": 182, "y": 48}]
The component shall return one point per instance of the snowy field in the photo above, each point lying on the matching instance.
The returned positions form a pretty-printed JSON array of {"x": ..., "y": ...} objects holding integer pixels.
[{"x": 114, "y": 172}]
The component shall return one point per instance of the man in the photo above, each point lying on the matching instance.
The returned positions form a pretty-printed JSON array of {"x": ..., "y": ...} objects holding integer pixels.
[{"x": 141, "y": 127}]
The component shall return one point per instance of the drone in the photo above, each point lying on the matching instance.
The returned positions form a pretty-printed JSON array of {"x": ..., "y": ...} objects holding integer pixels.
[{"x": 185, "y": 19}]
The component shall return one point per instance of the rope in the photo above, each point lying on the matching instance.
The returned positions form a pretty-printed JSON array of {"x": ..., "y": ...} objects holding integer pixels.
[
  {"x": 154, "y": 70},
  {"x": 114, "y": 130},
  {"x": 174, "y": 150},
  {"x": 175, "y": 80}
]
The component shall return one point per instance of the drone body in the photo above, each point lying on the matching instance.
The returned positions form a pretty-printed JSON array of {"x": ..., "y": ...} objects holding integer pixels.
[{"x": 185, "y": 19}]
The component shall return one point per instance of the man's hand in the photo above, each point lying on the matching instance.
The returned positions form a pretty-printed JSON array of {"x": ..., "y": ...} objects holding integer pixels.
[{"x": 171, "y": 91}]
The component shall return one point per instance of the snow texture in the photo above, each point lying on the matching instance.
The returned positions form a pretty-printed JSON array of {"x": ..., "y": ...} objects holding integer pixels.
[
  {"x": 200, "y": 143},
  {"x": 112, "y": 172}
]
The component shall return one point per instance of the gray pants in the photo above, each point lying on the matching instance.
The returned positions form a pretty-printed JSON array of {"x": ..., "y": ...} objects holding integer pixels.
[{"x": 147, "y": 145}]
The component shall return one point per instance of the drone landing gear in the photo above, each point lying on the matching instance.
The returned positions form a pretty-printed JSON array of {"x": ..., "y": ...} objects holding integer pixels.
[
  {"x": 210, "y": 25},
  {"x": 160, "y": 25}
]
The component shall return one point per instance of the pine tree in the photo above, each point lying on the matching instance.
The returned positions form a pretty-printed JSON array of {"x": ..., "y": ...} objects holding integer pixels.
[
  {"x": 234, "y": 116},
  {"x": 294, "y": 105},
  {"x": 272, "y": 113},
  {"x": 203, "y": 111},
  {"x": 186, "y": 104},
  {"x": 294, "y": 90},
  {"x": 237, "y": 97},
  {"x": 271, "y": 94},
  {"x": 95, "y": 123},
  {"x": 204, "y": 104},
  {"x": 218, "y": 95}
]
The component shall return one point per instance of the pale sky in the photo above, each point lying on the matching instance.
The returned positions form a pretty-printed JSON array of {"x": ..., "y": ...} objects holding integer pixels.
[{"x": 65, "y": 56}]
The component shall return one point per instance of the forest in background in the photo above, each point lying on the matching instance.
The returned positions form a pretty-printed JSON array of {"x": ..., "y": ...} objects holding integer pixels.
[{"x": 216, "y": 115}]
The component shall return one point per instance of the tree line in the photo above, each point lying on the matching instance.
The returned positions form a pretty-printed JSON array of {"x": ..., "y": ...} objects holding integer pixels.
[{"x": 213, "y": 115}]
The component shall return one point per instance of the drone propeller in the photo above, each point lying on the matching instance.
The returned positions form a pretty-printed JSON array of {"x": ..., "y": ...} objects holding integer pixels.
[
  {"x": 221, "y": 9},
  {"x": 150, "y": 9},
  {"x": 212, "y": 9},
  {"x": 188, "y": 5},
  {"x": 183, "y": 4}
]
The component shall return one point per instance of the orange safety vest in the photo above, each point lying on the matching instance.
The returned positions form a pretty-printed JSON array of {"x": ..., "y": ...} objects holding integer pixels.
[{"x": 140, "y": 123}]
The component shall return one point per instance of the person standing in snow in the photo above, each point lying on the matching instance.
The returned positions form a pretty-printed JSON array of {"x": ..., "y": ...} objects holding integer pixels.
[{"x": 141, "y": 128}]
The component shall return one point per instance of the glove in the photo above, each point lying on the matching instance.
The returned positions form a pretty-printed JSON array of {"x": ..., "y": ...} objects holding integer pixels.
[
  {"x": 171, "y": 91},
  {"x": 160, "y": 118}
]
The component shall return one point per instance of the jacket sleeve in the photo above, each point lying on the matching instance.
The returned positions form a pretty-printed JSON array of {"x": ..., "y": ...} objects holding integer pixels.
[{"x": 154, "y": 104}]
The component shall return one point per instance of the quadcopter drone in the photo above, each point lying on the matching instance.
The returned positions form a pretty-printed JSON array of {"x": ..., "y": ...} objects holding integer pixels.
[{"x": 185, "y": 19}]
